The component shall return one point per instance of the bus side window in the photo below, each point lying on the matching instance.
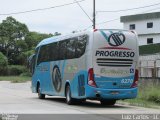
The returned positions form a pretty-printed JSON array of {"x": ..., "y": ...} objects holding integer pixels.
[
  {"x": 62, "y": 50},
  {"x": 43, "y": 54},
  {"x": 53, "y": 48},
  {"x": 81, "y": 45},
  {"x": 31, "y": 63},
  {"x": 40, "y": 56},
  {"x": 71, "y": 49}
]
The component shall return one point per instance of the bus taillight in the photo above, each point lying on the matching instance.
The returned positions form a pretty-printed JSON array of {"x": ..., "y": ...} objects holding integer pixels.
[
  {"x": 91, "y": 81},
  {"x": 135, "y": 83},
  {"x": 95, "y": 30}
]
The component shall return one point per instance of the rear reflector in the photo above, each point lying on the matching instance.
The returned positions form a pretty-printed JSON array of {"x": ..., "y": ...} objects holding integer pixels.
[
  {"x": 91, "y": 81},
  {"x": 95, "y": 30},
  {"x": 135, "y": 82}
]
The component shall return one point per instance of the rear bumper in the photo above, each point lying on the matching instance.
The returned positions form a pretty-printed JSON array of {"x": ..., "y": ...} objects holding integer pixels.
[{"x": 99, "y": 93}]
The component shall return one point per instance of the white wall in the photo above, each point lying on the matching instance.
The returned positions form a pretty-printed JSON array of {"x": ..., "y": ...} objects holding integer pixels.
[
  {"x": 144, "y": 32},
  {"x": 141, "y": 26},
  {"x": 142, "y": 39}
]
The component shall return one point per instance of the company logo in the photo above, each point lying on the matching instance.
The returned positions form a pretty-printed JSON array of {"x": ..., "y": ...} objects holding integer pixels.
[
  {"x": 113, "y": 49},
  {"x": 56, "y": 79},
  {"x": 116, "y": 39}
]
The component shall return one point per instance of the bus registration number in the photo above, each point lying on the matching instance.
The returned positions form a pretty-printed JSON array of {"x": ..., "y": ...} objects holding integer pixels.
[{"x": 127, "y": 81}]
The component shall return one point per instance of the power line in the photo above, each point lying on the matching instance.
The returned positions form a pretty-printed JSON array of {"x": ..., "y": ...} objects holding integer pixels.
[
  {"x": 83, "y": 10},
  {"x": 122, "y": 10},
  {"x": 125, "y": 10},
  {"x": 111, "y": 20},
  {"x": 40, "y": 9},
  {"x": 119, "y": 18},
  {"x": 151, "y": 10},
  {"x": 108, "y": 21}
]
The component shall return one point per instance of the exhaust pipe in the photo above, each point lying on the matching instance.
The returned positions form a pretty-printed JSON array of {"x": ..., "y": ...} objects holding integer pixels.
[{"x": 98, "y": 95}]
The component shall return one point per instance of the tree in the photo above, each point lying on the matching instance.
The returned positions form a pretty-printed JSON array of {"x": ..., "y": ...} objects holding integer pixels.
[
  {"x": 16, "y": 42},
  {"x": 33, "y": 38},
  {"x": 12, "y": 31},
  {"x": 3, "y": 64},
  {"x": 3, "y": 60},
  {"x": 22, "y": 59},
  {"x": 57, "y": 34}
]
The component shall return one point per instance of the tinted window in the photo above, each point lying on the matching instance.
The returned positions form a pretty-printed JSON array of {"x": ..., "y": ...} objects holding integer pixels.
[
  {"x": 33, "y": 64},
  {"x": 62, "y": 50},
  {"x": 43, "y": 54},
  {"x": 81, "y": 45},
  {"x": 66, "y": 49},
  {"x": 71, "y": 48},
  {"x": 54, "y": 51},
  {"x": 150, "y": 25},
  {"x": 40, "y": 56},
  {"x": 149, "y": 40},
  {"x": 132, "y": 27}
]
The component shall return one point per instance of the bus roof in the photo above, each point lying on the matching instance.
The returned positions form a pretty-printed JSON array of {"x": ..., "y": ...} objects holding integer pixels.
[
  {"x": 62, "y": 37},
  {"x": 58, "y": 38}
]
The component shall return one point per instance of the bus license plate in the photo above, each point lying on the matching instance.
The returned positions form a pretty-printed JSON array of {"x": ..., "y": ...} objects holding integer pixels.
[{"x": 114, "y": 92}]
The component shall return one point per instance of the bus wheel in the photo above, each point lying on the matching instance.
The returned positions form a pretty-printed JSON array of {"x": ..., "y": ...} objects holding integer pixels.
[
  {"x": 108, "y": 102},
  {"x": 40, "y": 95},
  {"x": 69, "y": 99}
]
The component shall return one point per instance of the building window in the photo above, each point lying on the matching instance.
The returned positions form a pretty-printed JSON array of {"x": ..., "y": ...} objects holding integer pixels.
[
  {"x": 150, "y": 25},
  {"x": 132, "y": 27},
  {"x": 149, "y": 40}
]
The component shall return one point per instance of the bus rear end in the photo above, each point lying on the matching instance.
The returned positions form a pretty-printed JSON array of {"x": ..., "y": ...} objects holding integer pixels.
[{"x": 114, "y": 73}]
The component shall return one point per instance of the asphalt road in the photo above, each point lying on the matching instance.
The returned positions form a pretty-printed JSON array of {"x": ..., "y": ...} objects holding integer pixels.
[{"x": 17, "y": 98}]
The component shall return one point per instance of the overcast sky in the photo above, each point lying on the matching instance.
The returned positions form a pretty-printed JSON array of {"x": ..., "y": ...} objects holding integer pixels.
[{"x": 68, "y": 18}]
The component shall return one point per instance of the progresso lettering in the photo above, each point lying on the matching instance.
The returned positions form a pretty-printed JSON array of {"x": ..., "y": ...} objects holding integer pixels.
[{"x": 115, "y": 53}]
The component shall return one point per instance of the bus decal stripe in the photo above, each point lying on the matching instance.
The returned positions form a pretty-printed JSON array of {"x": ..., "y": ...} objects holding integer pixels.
[
  {"x": 119, "y": 48},
  {"x": 114, "y": 59},
  {"x": 114, "y": 65},
  {"x": 63, "y": 68},
  {"x": 104, "y": 35},
  {"x": 117, "y": 62}
]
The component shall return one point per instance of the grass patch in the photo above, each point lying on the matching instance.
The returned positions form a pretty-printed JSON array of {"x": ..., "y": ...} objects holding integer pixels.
[
  {"x": 140, "y": 103},
  {"x": 15, "y": 79},
  {"x": 148, "y": 96}
]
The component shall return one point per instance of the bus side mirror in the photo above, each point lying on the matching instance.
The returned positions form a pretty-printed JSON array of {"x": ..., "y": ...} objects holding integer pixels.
[{"x": 31, "y": 63}]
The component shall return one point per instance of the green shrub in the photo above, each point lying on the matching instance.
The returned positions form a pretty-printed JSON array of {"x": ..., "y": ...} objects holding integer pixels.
[
  {"x": 149, "y": 49},
  {"x": 16, "y": 70},
  {"x": 3, "y": 64},
  {"x": 154, "y": 94},
  {"x": 26, "y": 74},
  {"x": 150, "y": 93},
  {"x": 3, "y": 60},
  {"x": 3, "y": 71}
]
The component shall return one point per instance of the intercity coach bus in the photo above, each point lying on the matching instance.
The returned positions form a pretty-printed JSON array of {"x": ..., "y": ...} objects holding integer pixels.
[{"x": 97, "y": 65}]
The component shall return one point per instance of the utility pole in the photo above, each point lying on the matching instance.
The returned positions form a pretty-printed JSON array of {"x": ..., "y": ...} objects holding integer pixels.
[{"x": 94, "y": 14}]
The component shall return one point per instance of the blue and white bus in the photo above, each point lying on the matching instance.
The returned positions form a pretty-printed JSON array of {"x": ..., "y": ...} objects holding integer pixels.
[{"x": 97, "y": 65}]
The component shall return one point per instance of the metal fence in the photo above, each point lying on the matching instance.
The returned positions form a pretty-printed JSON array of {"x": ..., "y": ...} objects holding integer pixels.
[{"x": 149, "y": 66}]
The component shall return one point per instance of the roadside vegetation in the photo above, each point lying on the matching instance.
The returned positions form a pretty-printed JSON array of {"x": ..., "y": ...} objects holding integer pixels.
[
  {"x": 149, "y": 49},
  {"x": 148, "y": 95},
  {"x": 15, "y": 79},
  {"x": 14, "y": 73},
  {"x": 17, "y": 43}
]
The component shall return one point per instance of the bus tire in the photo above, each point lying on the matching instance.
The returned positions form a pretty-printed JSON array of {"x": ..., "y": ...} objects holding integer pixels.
[
  {"x": 40, "y": 95},
  {"x": 108, "y": 102},
  {"x": 69, "y": 99}
]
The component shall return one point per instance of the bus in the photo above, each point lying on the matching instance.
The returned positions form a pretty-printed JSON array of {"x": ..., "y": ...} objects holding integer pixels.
[{"x": 100, "y": 64}]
